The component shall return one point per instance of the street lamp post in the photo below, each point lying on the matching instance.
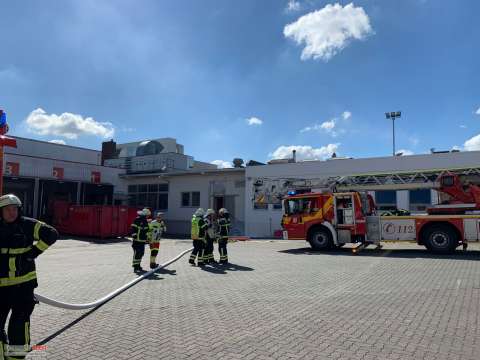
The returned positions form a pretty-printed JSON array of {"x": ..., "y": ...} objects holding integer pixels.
[{"x": 393, "y": 115}]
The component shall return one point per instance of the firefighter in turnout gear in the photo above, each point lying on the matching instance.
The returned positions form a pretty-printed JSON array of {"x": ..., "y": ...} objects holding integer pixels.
[
  {"x": 157, "y": 228},
  {"x": 22, "y": 239},
  {"x": 223, "y": 231},
  {"x": 210, "y": 236},
  {"x": 140, "y": 231},
  {"x": 198, "y": 236}
]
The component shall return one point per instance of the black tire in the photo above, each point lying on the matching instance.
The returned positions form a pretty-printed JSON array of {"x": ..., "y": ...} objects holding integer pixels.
[
  {"x": 440, "y": 239},
  {"x": 320, "y": 239}
]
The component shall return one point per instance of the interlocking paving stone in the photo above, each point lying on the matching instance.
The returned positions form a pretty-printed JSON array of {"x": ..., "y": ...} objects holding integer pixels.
[{"x": 280, "y": 300}]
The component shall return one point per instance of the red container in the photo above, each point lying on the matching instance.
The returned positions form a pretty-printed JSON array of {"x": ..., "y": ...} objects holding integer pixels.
[{"x": 102, "y": 221}]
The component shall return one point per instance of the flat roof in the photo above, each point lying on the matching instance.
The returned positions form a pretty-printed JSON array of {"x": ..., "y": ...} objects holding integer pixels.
[
  {"x": 52, "y": 143},
  {"x": 186, "y": 173}
]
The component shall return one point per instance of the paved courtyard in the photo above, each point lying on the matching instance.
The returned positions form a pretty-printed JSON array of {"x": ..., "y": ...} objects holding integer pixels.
[{"x": 279, "y": 300}]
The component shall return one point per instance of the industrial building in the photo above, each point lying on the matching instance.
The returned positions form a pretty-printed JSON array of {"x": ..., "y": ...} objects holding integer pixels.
[
  {"x": 40, "y": 172},
  {"x": 157, "y": 174}
]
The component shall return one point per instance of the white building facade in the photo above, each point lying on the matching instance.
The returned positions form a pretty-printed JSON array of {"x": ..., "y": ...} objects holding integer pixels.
[{"x": 179, "y": 194}]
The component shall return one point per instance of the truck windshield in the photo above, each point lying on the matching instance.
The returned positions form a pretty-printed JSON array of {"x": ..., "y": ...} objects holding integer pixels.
[{"x": 297, "y": 206}]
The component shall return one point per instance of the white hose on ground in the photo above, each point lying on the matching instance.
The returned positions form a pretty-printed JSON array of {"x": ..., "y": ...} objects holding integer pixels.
[{"x": 104, "y": 299}]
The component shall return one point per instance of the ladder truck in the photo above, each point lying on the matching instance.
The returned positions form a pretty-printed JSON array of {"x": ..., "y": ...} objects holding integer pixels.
[{"x": 335, "y": 211}]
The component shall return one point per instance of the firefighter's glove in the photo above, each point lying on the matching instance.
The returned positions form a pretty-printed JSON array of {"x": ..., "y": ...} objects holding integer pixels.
[{"x": 31, "y": 254}]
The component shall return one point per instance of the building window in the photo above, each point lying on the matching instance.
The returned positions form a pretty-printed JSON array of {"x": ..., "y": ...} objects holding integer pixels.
[
  {"x": 191, "y": 199},
  {"x": 153, "y": 196},
  {"x": 386, "y": 200},
  {"x": 185, "y": 199},
  {"x": 195, "y": 199},
  {"x": 420, "y": 199},
  {"x": 163, "y": 187}
]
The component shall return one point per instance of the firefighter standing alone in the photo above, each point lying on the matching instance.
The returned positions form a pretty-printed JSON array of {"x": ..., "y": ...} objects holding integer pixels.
[
  {"x": 22, "y": 239},
  {"x": 157, "y": 228},
  {"x": 140, "y": 231}
]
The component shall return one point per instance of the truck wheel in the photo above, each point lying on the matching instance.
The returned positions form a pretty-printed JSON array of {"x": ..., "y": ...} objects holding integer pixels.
[
  {"x": 440, "y": 239},
  {"x": 320, "y": 239}
]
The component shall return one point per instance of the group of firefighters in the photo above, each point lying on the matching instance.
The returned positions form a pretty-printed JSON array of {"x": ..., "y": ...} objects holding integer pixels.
[
  {"x": 206, "y": 227},
  {"x": 145, "y": 231}
]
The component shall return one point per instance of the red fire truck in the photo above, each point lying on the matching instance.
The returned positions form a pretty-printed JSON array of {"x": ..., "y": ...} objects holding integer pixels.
[{"x": 329, "y": 219}]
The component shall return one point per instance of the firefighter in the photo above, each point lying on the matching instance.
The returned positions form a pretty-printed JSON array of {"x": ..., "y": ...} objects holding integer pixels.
[
  {"x": 22, "y": 240},
  {"x": 140, "y": 237},
  {"x": 223, "y": 231},
  {"x": 210, "y": 236},
  {"x": 198, "y": 237},
  {"x": 156, "y": 228}
]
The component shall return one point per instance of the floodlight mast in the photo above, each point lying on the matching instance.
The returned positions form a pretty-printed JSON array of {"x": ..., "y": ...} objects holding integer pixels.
[{"x": 393, "y": 115}]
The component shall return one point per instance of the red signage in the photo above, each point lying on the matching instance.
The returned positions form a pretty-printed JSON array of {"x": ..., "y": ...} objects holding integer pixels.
[
  {"x": 12, "y": 169},
  {"x": 57, "y": 173},
  {"x": 96, "y": 177}
]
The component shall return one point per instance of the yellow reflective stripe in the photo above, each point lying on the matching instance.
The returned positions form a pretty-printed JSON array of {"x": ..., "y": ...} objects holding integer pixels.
[
  {"x": 42, "y": 245},
  {"x": 12, "y": 267},
  {"x": 18, "y": 280},
  {"x": 134, "y": 225},
  {"x": 27, "y": 334},
  {"x": 14, "y": 251},
  {"x": 36, "y": 230}
]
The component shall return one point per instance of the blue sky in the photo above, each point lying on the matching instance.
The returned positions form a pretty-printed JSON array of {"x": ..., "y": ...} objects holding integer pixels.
[{"x": 245, "y": 79}]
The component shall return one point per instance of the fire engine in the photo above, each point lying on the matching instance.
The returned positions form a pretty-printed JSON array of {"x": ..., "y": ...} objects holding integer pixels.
[{"x": 328, "y": 219}]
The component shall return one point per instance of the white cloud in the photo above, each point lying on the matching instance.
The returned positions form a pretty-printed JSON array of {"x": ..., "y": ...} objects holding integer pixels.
[
  {"x": 405, "y": 152},
  {"x": 455, "y": 147},
  {"x": 304, "y": 152},
  {"x": 327, "y": 31},
  {"x": 293, "y": 6},
  {"x": 68, "y": 125},
  {"x": 463, "y": 126},
  {"x": 478, "y": 111},
  {"x": 61, "y": 142},
  {"x": 254, "y": 121},
  {"x": 222, "y": 164},
  {"x": 346, "y": 115},
  {"x": 473, "y": 143},
  {"x": 327, "y": 126}
]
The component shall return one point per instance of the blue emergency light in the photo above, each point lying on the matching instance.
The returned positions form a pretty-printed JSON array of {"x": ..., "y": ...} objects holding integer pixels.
[
  {"x": 292, "y": 192},
  {"x": 3, "y": 118}
]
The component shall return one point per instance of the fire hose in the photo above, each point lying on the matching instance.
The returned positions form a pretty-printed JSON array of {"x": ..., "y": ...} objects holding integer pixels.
[{"x": 59, "y": 304}]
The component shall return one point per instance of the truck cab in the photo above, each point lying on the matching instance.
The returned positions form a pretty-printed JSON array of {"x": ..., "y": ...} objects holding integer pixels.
[{"x": 326, "y": 220}]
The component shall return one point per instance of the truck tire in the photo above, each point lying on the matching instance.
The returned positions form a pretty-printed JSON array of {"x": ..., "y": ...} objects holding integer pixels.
[
  {"x": 440, "y": 239},
  {"x": 320, "y": 239}
]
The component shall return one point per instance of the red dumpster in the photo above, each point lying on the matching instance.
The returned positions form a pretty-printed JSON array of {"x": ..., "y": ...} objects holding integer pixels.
[{"x": 102, "y": 221}]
